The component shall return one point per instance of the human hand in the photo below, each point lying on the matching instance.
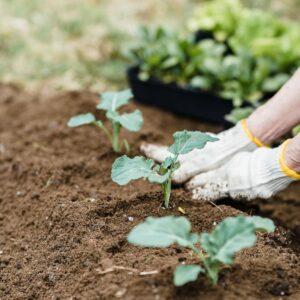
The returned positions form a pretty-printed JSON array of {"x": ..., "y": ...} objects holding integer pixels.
[
  {"x": 212, "y": 156},
  {"x": 248, "y": 175}
]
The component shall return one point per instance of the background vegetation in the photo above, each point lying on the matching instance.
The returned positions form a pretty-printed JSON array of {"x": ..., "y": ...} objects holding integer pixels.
[{"x": 78, "y": 44}]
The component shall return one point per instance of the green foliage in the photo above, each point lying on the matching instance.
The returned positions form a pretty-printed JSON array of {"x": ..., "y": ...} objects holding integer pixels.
[
  {"x": 220, "y": 17},
  {"x": 296, "y": 130},
  {"x": 125, "y": 169},
  {"x": 83, "y": 119},
  {"x": 186, "y": 141},
  {"x": 163, "y": 232},
  {"x": 186, "y": 273},
  {"x": 110, "y": 102},
  {"x": 220, "y": 246},
  {"x": 251, "y": 55},
  {"x": 253, "y": 30},
  {"x": 238, "y": 114}
]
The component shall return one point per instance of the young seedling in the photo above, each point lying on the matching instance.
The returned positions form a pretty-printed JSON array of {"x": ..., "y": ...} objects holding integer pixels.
[
  {"x": 126, "y": 169},
  {"x": 111, "y": 102},
  {"x": 213, "y": 249}
]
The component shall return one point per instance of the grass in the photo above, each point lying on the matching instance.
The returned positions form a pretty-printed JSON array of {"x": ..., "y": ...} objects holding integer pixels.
[{"x": 78, "y": 44}]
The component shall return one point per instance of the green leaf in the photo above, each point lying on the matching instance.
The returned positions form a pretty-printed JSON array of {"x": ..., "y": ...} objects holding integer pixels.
[
  {"x": 168, "y": 162},
  {"x": 272, "y": 84},
  {"x": 83, "y": 119},
  {"x": 112, "y": 115},
  {"x": 170, "y": 62},
  {"x": 144, "y": 76},
  {"x": 201, "y": 82},
  {"x": 186, "y": 141},
  {"x": 131, "y": 121},
  {"x": 262, "y": 224},
  {"x": 238, "y": 114},
  {"x": 113, "y": 100},
  {"x": 296, "y": 130},
  {"x": 163, "y": 232},
  {"x": 230, "y": 236},
  {"x": 125, "y": 169},
  {"x": 186, "y": 273},
  {"x": 156, "y": 178}
]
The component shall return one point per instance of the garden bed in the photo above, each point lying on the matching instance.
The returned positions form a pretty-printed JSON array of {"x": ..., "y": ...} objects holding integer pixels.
[{"x": 63, "y": 222}]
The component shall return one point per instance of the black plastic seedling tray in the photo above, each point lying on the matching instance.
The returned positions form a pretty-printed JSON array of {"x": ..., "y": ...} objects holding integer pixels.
[{"x": 194, "y": 103}]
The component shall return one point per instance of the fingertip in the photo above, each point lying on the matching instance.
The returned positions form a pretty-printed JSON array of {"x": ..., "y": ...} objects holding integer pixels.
[
  {"x": 143, "y": 147},
  {"x": 190, "y": 185},
  {"x": 182, "y": 175}
]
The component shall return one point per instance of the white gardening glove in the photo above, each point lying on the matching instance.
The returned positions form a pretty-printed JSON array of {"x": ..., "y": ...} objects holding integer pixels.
[
  {"x": 212, "y": 156},
  {"x": 248, "y": 175}
]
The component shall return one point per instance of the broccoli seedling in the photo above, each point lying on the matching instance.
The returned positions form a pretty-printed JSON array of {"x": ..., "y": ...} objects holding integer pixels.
[
  {"x": 126, "y": 169},
  {"x": 111, "y": 102},
  {"x": 213, "y": 249}
]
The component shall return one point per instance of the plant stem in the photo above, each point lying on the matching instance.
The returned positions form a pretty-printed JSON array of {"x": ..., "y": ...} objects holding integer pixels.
[
  {"x": 100, "y": 125},
  {"x": 127, "y": 147},
  {"x": 167, "y": 191},
  {"x": 115, "y": 137},
  {"x": 212, "y": 274}
]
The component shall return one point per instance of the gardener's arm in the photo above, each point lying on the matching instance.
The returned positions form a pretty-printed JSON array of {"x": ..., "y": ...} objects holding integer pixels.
[
  {"x": 279, "y": 115},
  {"x": 263, "y": 172},
  {"x": 264, "y": 126}
]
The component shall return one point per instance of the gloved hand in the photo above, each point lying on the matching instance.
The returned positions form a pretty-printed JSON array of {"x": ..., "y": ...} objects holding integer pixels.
[
  {"x": 248, "y": 175},
  {"x": 212, "y": 156}
]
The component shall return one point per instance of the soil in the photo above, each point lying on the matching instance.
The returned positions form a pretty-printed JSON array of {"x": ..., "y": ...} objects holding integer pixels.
[{"x": 63, "y": 222}]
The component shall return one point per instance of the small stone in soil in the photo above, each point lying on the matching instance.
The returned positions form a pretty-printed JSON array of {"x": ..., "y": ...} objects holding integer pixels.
[
  {"x": 20, "y": 193},
  {"x": 35, "y": 195},
  {"x": 2, "y": 148},
  {"x": 130, "y": 219},
  {"x": 120, "y": 293},
  {"x": 90, "y": 199}
]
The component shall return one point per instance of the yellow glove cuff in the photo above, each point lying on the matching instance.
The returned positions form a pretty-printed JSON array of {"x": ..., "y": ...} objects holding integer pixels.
[
  {"x": 285, "y": 169},
  {"x": 252, "y": 138}
]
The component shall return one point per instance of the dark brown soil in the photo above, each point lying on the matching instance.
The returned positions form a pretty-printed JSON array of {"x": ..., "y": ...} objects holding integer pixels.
[{"x": 63, "y": 223}]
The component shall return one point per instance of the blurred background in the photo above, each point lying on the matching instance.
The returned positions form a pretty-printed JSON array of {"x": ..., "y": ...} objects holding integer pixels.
[{"x": 80, "y": 44}]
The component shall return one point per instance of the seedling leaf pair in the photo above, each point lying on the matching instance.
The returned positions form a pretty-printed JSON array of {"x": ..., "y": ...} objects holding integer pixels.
[
  {"x": 126, "y": 169},
  {"x": 110, "y": 102},
  {"x": 230, "y": 236}
]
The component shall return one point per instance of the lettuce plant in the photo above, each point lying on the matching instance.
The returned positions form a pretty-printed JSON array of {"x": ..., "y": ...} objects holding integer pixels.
[
  {"x": 239, "y": 76},
  {"x": 250, "y": 54},
  {"x": 213, "y": 250},
  {"x": 110, "y": 103},
  {"x": 126, "y": 169}
]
